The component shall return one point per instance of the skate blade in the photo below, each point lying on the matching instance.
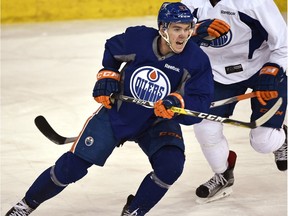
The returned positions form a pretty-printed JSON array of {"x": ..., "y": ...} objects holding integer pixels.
[{"x": 220, "y": 195}]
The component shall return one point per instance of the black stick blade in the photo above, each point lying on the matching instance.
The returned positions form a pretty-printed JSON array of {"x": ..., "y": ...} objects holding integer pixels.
[{"x": 48, "y": 131}]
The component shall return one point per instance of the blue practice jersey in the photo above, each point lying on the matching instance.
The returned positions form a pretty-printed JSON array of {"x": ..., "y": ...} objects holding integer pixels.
[{"x": 147, "y": 75}]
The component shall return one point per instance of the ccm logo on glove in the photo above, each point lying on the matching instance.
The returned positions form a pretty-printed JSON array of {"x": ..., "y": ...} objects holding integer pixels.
[{"x": 108, "y": 74}]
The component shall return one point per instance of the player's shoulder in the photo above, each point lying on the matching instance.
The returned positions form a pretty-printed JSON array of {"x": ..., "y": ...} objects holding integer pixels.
[
  {"x": 248, "y": 4},
  {"x": 193, "y": 51},
  {"x": 193, "y": 47},
  {"x": 193, "y": 4},
  {"x": 237, "y": 5},
  {"x": 141, "y": 30}
]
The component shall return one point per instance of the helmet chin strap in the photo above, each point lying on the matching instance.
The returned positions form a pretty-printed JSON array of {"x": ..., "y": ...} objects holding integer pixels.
[{"x": 168, "y": 40}]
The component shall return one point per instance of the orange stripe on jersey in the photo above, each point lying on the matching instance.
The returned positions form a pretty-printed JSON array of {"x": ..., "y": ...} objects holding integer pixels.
[{"x": 87, "y": 121}]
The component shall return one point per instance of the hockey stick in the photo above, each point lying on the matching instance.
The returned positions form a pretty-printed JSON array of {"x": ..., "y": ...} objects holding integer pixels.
[
  {"x": 232, "y": 99},
  {"x": 258, "y": 122},
  {"x": 213, "y": 104},
  {"x": 50, "y": 133},
  {"x": 45, "y": 128}
]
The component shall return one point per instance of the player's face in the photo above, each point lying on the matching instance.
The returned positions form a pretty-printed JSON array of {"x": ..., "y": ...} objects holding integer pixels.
[{"x": 179, "y": 33}]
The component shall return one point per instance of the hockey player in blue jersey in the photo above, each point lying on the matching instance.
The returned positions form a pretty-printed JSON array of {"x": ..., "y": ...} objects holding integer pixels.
[
  {"x": 252, "y": 55},
  {"x": 160, "y": 65}
]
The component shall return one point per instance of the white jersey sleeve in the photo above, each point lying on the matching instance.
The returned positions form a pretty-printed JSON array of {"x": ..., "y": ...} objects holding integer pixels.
[{"x": 258, "y": 35}]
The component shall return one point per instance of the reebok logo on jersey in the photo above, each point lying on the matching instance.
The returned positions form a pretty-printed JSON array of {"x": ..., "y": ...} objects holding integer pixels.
[
  {"x": 172, "y": 67},
  {"x": 149, "y": 83},
  {"x": 227, "y": 12}
]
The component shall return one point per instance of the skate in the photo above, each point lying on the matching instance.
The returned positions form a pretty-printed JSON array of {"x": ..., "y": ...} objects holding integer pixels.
[
  {"x": 20, "y": 209},
  {"x": 125, "y": 211},
  {"x": 281, "y": 154},
  {"x": 219, "y": 186}
]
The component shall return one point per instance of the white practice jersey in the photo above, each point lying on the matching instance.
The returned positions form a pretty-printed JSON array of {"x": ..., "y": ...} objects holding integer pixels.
[{"x": 258, "y": 35}]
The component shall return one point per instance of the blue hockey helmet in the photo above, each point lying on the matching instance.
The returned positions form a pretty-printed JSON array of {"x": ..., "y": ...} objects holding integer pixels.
[{"x": 174, "y": 12}]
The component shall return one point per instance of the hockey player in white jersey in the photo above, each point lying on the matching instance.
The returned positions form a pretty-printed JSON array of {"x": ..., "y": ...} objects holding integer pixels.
[{"x": 253, "y": 55}]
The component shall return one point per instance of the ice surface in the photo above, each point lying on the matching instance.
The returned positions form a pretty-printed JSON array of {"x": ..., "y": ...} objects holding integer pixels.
[{"x": 50, "y": 69}]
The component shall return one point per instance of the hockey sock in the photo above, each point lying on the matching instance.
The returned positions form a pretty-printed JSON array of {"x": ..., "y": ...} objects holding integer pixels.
[
  {"x": 147, "y": 196},
  {"x": 168, "y": 163},
  {"x": 68, "y": 168},
  {"x": 42, "y": 189}
]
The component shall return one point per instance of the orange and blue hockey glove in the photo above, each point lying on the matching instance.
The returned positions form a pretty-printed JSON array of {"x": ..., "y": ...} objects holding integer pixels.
[
  {"x": 267, "y": 85},
  {"x": 211, "y": 28},
  {"x": 162, "y": 107},
  {"x": 108, "y": 82},
  {"x": 208, "y": 30}
]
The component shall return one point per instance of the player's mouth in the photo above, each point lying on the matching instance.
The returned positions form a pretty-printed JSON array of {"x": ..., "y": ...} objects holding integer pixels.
[
  {"x": 179, "y": 43},
  {"x": 179, "y": 46}
]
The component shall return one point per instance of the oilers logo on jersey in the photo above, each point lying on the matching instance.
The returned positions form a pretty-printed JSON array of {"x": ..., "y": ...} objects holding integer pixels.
[
  {"x": 150, "y": 84},
  {"x": 222, "y": 41}
]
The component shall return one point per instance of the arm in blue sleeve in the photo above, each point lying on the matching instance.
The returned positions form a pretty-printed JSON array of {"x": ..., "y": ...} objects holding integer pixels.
[{"x": 114, "y": 47}]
